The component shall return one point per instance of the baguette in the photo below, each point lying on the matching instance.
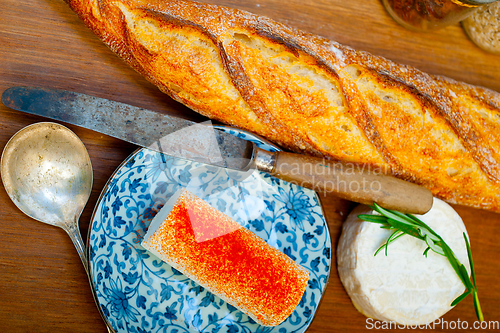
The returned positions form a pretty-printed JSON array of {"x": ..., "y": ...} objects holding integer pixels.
[
  {"x": 227, "y": 259},
  {"x": 311, "y": 95}
]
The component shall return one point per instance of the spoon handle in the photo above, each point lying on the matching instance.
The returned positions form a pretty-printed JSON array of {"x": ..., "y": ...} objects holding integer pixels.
[{"x": 74, "y": 233}]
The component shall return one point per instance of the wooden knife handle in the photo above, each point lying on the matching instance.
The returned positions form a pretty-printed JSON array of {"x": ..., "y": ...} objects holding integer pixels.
[{"x": 350, "y": 181}]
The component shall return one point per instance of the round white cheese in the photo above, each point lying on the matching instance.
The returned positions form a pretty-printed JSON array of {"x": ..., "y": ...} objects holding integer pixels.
[{"x": 405, "y": 286}]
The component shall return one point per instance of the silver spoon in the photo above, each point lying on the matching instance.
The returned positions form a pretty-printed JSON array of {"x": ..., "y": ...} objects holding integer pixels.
[{"x": 46, "y": 171}]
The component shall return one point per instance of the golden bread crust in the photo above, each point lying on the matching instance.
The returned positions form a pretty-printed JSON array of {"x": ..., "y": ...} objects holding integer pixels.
[{"x": 309, "y": 94}]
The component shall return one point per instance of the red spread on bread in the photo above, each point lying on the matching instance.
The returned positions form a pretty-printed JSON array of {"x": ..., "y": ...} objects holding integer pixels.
[{"x": 229, "y": 260}]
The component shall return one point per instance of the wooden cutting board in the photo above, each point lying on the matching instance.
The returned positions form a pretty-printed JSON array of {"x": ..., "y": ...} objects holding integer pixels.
[{"x": 43, "y": 287}]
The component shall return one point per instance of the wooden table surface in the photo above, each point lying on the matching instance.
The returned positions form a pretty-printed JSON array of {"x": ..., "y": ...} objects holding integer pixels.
[{"x": 43, "y": 286}]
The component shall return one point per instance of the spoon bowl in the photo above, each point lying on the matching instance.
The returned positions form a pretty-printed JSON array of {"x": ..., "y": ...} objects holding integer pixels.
[{"x": 47, "y": 172}]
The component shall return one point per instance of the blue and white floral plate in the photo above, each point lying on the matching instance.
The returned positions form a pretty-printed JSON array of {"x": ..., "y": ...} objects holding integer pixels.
[{"x": 139, "y": 293}]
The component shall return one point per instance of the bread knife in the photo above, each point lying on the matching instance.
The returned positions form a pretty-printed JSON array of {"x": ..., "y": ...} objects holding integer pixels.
[{"x": 148, "y": 129}]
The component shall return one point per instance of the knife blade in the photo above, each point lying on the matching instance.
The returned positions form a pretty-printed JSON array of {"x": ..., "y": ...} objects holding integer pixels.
[
  {"x": 150, "y": 129},
  {"x": 129, "y": 123}
]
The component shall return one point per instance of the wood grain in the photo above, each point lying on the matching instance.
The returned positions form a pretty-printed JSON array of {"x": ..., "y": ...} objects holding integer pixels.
[{"x": 43, "y": 284}]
